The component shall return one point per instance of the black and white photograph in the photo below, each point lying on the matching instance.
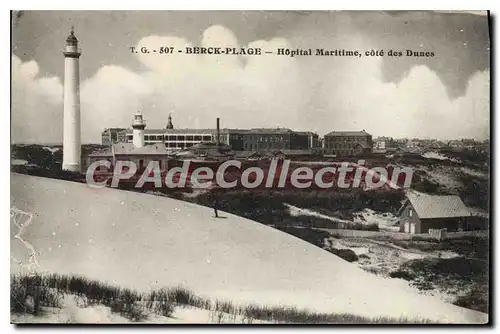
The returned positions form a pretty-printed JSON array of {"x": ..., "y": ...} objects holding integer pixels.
[{"x": 252, "y": 167}]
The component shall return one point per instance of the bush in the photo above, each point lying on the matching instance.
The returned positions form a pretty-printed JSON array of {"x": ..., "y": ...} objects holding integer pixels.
[
  {"x": 48, "y": 290},
  {"x": 127, "y": 305},
  {"x": 424, "y": 285},
  {"x": 373, "y": 270},
  {"x": 476, "y": 299},
  {"x": 313, "y": 236},
  {"x": 31, "y": 293},
  {"x": 18, "y": 296},
  {"x": 402, "y": 274},
  {"x": 346, "y": 254}
]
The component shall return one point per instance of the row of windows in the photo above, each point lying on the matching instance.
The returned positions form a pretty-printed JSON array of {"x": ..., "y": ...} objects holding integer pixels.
[
  {"x": 265, "y": 139},
  {"x": 348, "y": 138},
  {"x": 249, "y": 138},
  {"x": 344, "y": 146},
  {"x": 340, "y": 141},
  {"x": 173, "y": 138},
  {"x": 250, "y": 147},
  {"x": 179, "y": 145}
]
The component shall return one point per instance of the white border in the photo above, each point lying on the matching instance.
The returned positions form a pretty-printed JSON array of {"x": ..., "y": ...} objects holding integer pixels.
[{"x": 191, "y": 5}]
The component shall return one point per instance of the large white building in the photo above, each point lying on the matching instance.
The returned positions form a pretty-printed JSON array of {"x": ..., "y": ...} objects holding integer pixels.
[{"x": 237, "y": 139}]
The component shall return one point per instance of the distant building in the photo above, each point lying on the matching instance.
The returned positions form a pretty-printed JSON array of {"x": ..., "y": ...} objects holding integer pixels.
[
  {"x": 141, "y": 156},
  {"x": 237, "y": 139},
  {"x": 136, "y": 150},
  {"x": 421, "y": 212},
  {"x": 468, "y": 143},
  {"x": 313, "y": 139},
  {"x": 278, "y": 139},
  {"x": 380, "y": 143},
  {"x": 113, "y": 135},
  {"x": 208, "y": 151},
  {"x": 348, "y": 143}
]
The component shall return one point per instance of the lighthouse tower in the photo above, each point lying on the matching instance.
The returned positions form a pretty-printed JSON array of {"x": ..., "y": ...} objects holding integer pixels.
[
  {"x": 138, "y": 126},
  {"x": 71, "y": 136}
]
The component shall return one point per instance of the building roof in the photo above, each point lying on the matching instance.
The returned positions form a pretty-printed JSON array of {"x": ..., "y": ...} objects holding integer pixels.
[
  {"x": 347, "y": 133},
  {"x": 114, "y": 129},
  {"x": 188, "y": 131},
  {"x": 309, "y": 133},
  {"x": 436, "y": 206},
  {"x": 210, "y": 146},
  {"x": 297, "y": 152},
  {"x": 270, "y": 130},
  {"x": 174, "y": 131},
  {"x": 247, "y": 154},
  {"x": 71, "y": 39},
  {"x": 363, "y": 145},
  {"x": 130, "y": 149},
  {"x": 222, "y": 131}
]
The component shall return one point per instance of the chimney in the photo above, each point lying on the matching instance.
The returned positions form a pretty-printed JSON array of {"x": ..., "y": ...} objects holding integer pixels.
[{"x": 218, "y": 133}]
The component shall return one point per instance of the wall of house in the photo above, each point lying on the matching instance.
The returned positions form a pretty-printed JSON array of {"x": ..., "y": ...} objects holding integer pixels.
[
  {"x": 408, "y": 215},
  {"x": 346, "y": 145},
  {"x": 266, "y": 141},
  {"x": 450, "y": 224},
  {"x": 236, "y": 141},
  {"x": 299, "y": 141},
  {"x": 110, "y": 136}
]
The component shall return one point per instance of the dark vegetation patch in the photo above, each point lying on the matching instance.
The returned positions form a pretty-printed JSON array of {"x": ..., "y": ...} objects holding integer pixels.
[
  {"x": 476, "y": 299},
  {"x": 317, "y": 238},
  {"x": 452, "y": 275},
  {"x": 268, "y": 206},
  {"x": 476, "y": 192},
  {"x": 346, "y": 254}
]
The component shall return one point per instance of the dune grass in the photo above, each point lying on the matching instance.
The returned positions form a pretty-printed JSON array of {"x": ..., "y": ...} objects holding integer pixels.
[{"x": 32, "y": 293}]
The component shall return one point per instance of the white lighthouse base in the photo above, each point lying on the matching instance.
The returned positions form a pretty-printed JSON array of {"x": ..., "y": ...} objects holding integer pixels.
[{"x": 71, "y": 167}]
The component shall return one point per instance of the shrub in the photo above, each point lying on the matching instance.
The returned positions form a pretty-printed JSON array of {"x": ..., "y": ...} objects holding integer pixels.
[
  {"x": 402, "y": 274},
  {"x": 18, "y": 296},
  {"x": 127, "y": 305},
  {"x": 313, "y": 236},
  {"x": 48, "y": 290},
  {"x": 345, "y": 254},
  {"x": 424, "y": 285},
  {"x": 373, "y": 270},
  {"x": 31, "y": 293},
  {"x": 476, "y": 299},
  {"x": 160, "y": 302}
]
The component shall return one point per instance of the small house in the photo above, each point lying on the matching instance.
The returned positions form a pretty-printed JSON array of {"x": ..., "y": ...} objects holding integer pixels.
[{"x": 421, "y": 212}]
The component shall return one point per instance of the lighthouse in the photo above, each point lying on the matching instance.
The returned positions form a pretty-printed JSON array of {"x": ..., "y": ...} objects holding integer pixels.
[
  {"x": 71, "y": 136},
  {"x": 138, "y": 126}
]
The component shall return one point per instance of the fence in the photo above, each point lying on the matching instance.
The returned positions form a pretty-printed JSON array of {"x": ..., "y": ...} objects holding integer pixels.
[
  {"x": 438, "y": 234},
  {"x": 432, "y": 235}
]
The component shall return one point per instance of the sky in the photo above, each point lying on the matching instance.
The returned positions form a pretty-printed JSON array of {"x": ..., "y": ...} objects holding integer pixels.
[{"x": 445, "y": 97}]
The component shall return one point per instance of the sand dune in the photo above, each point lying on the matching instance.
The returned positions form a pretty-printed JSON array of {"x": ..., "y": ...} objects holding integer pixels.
[{"x": 144, "y": 241}]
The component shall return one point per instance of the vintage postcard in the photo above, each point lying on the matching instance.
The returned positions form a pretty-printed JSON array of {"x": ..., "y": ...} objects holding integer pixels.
[{"x": 250, "y": 167}]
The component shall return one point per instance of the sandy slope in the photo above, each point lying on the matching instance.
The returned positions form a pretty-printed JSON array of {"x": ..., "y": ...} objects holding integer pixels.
[{"x": 144, "y": 241}]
